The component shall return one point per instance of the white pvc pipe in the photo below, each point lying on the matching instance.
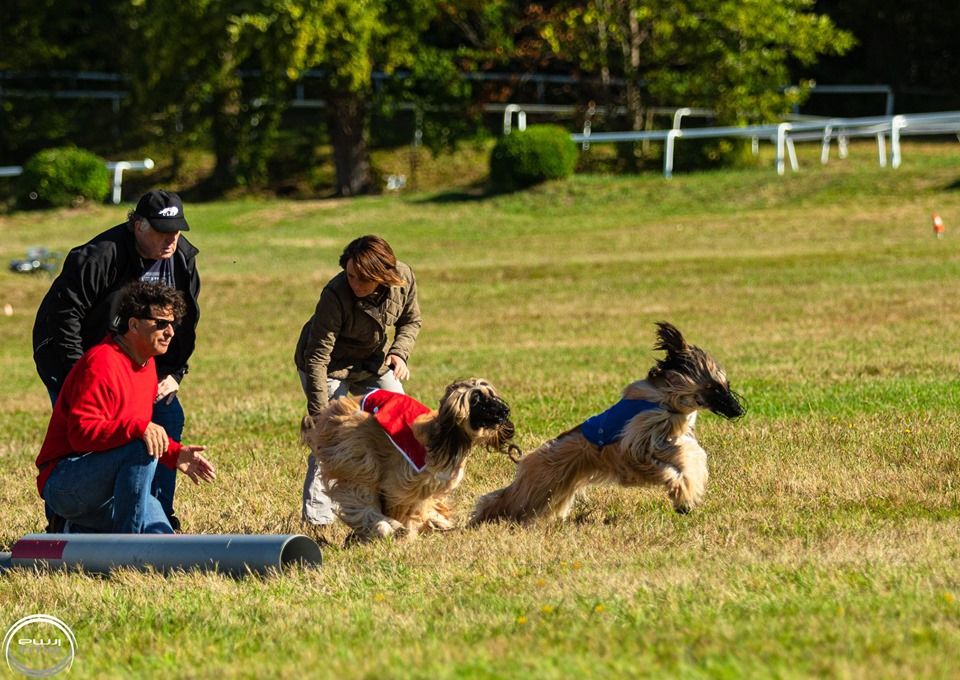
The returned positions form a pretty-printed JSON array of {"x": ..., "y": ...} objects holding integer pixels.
[
  {"x": 678, "y": 116},
  {"x": 118, "y": 168},
  {"x": 825, "y": 145},
  {"x": 668, "y": 153},
  {"x": 792, "y": 152},
  {"x": 896, "y": 124},
  {"x": 235, "y": 554},
  {"x": 882, "y": 149},
  {"x": 782, "y": 130},
  {"x": 508, "y": 112}
]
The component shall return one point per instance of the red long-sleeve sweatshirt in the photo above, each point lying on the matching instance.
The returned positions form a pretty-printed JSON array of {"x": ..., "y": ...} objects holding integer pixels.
[{"x": 106, "y": 402}]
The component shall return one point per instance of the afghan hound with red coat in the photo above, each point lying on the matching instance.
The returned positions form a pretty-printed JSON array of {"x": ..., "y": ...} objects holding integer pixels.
[
  {"x": 389, "y": 462},
  {"x": 646, "y": 438}
]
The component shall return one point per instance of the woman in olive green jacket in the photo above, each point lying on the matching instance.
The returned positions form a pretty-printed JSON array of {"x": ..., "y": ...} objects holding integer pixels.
[{"x": 345, "y": 346}]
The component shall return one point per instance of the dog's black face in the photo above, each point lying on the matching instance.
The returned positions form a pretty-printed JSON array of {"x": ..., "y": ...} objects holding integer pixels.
[
  {"x": 723, "y": 401},
  {"x": 478, "y": 414},
  {"x": 687, "y": 373},
  {"x": 487, "y": 410}
]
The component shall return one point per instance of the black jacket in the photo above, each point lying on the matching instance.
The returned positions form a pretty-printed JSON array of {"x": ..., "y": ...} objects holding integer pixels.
[{"x": 77, "y": 312}]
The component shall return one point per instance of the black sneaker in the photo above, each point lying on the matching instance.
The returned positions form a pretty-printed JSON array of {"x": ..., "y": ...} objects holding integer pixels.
[{"x": 174, "y": 523}]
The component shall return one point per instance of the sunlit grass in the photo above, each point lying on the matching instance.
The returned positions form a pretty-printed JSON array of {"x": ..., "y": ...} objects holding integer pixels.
[{"x": 827, "y": 544}]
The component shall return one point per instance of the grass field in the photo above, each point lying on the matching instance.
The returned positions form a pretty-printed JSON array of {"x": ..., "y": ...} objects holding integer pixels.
[{"x": 828, "y": 543}]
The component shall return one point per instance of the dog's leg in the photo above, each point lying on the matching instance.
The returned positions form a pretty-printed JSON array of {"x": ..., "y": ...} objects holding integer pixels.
[
  {"x": 359, "y": 508},
  {"x": 438, "y": 516},
  {"x": 687, "y": 489},
  {"x": 545, "y": 484}
]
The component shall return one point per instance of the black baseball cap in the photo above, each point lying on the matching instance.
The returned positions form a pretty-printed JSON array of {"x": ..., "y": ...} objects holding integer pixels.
[{"x": 164, "y": 210}]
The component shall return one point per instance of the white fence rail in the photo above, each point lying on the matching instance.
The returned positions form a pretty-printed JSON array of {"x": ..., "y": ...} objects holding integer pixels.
[
  {"x": 116, "y": 170},
  {"x": 784, "y": 135}
]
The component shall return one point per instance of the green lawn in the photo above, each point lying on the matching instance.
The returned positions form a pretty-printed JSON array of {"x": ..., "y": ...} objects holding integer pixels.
[{"x": 829, "y": 542}]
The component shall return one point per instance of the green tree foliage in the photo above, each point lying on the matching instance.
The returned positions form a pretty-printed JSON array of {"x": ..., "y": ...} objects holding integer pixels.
[
  {"x": 40, "y": 39},
  {"x": 423, "y": 45},
  {"x": 224, "y": 67},
  {"x": 729, "y": 55},
  {"x": 61, "y": 177},
  {"x": 227, "y": 68},
  {"x": 524, "y": 158}
]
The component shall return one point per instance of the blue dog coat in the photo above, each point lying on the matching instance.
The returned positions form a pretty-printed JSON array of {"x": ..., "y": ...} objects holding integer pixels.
[{"x": 607, "y": 427}]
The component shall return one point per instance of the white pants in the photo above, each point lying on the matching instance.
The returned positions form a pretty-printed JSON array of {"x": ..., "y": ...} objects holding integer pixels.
[{"x": 317, "y": 506}]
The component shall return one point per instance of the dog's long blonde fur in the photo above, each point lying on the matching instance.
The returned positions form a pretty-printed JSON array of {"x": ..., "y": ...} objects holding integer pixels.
[
  {"x": 378, "y": 493},
  {"x": 658, "y": 446}
]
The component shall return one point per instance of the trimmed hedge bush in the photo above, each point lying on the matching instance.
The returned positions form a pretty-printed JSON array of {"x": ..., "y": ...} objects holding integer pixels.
[
  {"x": 539, "y": 153},
  {"x": 63, "y": 176}
]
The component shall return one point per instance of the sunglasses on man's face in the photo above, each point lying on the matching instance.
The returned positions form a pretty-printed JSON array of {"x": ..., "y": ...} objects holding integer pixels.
[{"x": 161, "y": 324}]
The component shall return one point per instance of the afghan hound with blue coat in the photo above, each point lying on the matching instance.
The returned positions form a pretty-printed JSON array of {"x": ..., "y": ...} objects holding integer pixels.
[{"x": 645, "y": 438}]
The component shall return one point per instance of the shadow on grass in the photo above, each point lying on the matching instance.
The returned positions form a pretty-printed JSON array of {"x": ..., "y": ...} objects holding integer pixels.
[
  {"x": 953, "y": 186},
  {"x": 481, "y": 191}
]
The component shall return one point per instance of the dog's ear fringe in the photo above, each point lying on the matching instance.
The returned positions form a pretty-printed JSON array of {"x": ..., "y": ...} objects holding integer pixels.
[{"x": 669, "y": 339}]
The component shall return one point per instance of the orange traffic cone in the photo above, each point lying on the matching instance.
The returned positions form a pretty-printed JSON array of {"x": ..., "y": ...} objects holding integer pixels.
[{"x": 938, "y": 227}]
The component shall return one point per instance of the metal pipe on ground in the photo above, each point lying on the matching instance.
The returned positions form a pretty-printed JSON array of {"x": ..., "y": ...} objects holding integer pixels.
[{"x": 234, "y": 554}]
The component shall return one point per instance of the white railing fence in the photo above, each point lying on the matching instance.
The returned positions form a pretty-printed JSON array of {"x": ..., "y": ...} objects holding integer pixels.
[{"x": 783, "y": 135}]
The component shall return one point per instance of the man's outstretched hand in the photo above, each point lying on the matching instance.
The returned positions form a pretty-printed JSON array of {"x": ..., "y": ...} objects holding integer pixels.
[{"x": 195, "y": 466}]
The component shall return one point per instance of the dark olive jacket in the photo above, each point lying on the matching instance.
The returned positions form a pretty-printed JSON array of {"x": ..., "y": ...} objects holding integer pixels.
[
  {"x": 77, "y": 312},
  {"x": 347, "y": 337}
]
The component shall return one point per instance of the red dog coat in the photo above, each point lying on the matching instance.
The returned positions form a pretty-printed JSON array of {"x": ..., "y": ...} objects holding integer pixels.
[{"x": 396, "y": 413}]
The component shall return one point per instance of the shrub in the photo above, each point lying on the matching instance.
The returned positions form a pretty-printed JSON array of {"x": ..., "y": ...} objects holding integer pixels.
[
  {"x": 63, "y": 176},
  {"x": 539, "y": 153}
]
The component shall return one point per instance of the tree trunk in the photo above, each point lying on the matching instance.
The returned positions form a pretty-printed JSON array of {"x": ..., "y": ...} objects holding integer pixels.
[
  {"x": 347, "y": 123},
  {"x": 226, "y": 136},
  {"x": 630, "y": 46}
]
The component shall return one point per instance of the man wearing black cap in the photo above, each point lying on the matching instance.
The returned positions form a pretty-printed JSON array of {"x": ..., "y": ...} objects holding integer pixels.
[{"x": 79, "y": 310}]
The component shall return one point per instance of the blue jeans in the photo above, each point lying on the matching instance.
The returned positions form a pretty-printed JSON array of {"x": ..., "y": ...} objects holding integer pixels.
[
  {"x": 170, "y": 417},
  {"x": 108, "y": 491}
]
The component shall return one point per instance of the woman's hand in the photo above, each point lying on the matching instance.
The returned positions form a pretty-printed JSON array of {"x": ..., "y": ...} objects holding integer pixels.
[{"x": 399, "y": 367}]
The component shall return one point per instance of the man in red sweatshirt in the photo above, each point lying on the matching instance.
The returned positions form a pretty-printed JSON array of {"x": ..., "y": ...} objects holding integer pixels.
[{"x": 101, "y": 450}]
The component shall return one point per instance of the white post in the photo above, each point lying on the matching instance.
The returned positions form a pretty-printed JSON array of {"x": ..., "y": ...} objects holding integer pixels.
[
  {"x": 825, "y": 147},
  {"x": 668, "y": 153},
  {"x": 119, "y": 167},
  {"x": 508, "y": 112},
  {"x": 842, "y": 148},
  {"x": 781, "y": 146},
  {"x": 792, "y": 152},
  {"x": 896, "y": 125},
  {"x": 882, "y": 149}
]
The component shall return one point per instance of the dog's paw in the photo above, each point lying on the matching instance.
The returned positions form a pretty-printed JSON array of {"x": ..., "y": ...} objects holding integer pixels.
[
  {"x": 386, "y": 528},
  {"x": 438, "y": 523},
  {"x": 383, "y": 528}
]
